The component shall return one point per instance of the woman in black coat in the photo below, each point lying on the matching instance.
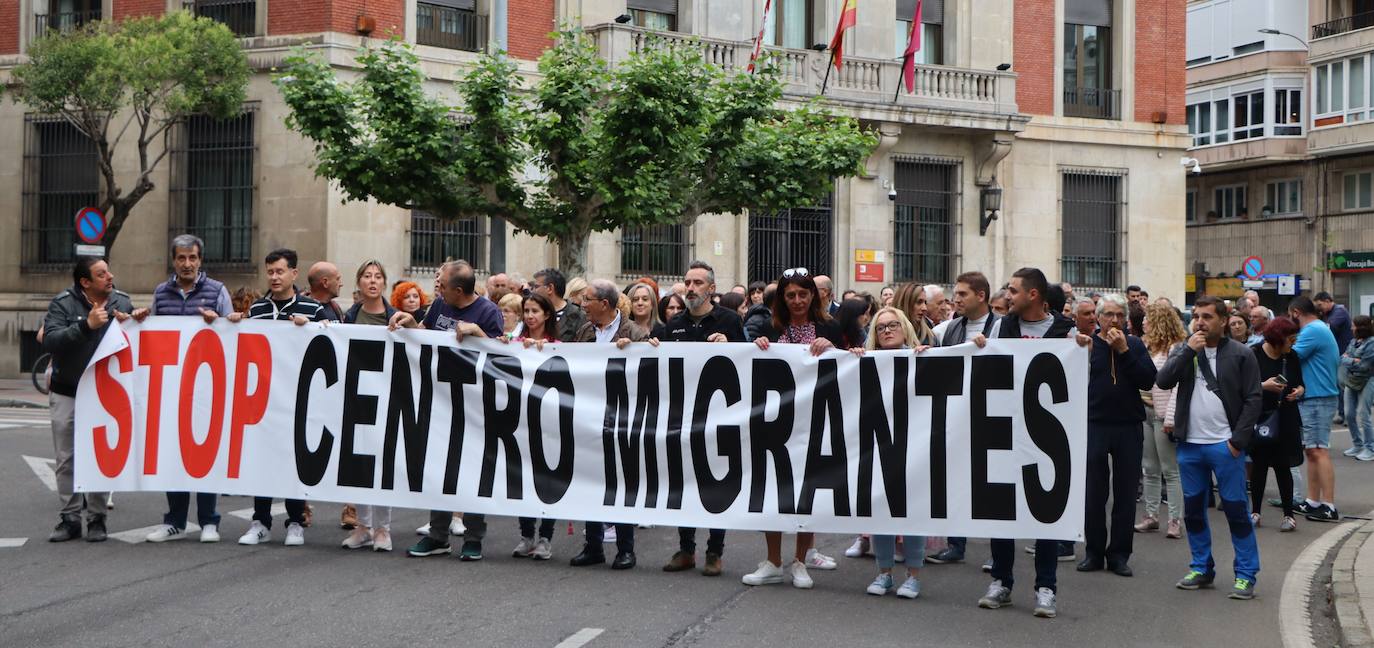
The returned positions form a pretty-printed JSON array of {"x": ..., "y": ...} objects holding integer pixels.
[{"x": 1284, "y": 451}]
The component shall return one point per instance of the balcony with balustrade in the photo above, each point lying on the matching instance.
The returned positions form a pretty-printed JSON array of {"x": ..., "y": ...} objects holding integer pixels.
[
  {"x": 63, "y": 21},
  {"x": 865, "y": 88},
  {"x": 240, "y": 16}
]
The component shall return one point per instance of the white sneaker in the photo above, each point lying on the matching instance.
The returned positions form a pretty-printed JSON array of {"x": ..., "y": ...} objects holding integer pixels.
[
  {"x": 1351, "y": 452},
  {"x": 818, "y": 560},
  {"x": 295, "y": 535},
  {"x": 357, "y": 539},
  {"x": 881, "y": 585},
  {"x": 608, "y": 534},
  {"x": 859, "y": 549},
  {"x": 542, "y": 550},
  {"x": 766, "y": 574},
  {"x": 456, "y": 527},
  {"x": 524, "y": 549},
  {"x": 996, "y": 597},
  {"x": 166, "y": 533},
  {"x": 424, "y": 530},
  {"x": 899, "y": 556},
  {"x": 801, "y": 579},
  {"x": 1365, "y": 455},
  {"x": 1045, "y": 603},
  {"x": 256, "y": 533},
  {"x": 209, "y": 533}
]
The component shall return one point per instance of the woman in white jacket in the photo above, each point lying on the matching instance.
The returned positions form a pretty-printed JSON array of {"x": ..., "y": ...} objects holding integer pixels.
[{"x": 1163, "y": 329}]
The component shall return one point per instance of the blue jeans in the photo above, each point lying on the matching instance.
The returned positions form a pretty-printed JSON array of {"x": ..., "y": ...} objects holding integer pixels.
[
  {"x": 1316, "y": 416},
  {"x": 1357, "y": 416},
  {"x": 885, "y": 550},
  {"x": 179, "y": 504},
  {"x": 1196, "y": 465},
  {"x": 1046, "y": 563}
]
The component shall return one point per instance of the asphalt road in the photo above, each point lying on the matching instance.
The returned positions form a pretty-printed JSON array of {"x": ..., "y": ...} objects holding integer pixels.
[{"x": 188, "y": 593}]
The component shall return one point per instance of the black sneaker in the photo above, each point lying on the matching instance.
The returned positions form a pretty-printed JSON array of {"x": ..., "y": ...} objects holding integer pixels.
[
  {"x": 95, "y": 529},
  {"x": 428, "y": 546},
  {"x": 472, "y": 551},
  {"x": 946, "y": 556},
  {"x": 69, "y": 528},
  {"x": 1303, "y": 508},
  {"x": 1324, "y": 513}
]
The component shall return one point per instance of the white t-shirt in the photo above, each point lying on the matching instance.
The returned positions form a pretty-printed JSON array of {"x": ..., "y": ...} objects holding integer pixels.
[
  {"x": 1035, "y": 329},
  {"x": 1206, "y": 415},
  {"x": 972, "y": 329}
]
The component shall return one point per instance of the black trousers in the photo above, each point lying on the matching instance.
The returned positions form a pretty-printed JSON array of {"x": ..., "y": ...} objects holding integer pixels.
[
  {"x": 1114, "y": 454},
  {"x": 687, "y": 540}
]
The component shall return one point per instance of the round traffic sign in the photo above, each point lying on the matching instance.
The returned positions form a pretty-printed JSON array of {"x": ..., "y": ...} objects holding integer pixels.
[
  {"x": 90, "y": 225},
  {"x": 1253, "y": 267}
]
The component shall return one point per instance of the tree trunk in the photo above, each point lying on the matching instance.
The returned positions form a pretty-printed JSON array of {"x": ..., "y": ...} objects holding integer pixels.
[
  {"x": 114, "y": 223},
  {"x": 572, "y": 254}
]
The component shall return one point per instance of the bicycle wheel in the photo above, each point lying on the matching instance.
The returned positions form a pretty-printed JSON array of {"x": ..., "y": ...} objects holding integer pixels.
[{"x": 39, "y": 373}]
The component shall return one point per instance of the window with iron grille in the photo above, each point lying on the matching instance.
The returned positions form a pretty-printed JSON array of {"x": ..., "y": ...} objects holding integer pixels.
[
  {"x": 64, "y": 16},
  {"x": 1093, "y": 240},
  {"x": 435, "y": 240},
  {"x": 213, "y": 186},
  {"x": 792, "y": 238},
  {"x": 924, "y": 220},
  {"x": 240, "y": 16},
  {"x": 454, "y": 24},
  {"x": 61, "y": 176},
  {"x": 654, "y": 250}
]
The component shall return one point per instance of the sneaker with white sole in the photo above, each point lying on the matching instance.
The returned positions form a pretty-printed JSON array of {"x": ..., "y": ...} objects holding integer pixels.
[
  {"x": 209, "y": 533},
  {"x": 381, "y": 539},
  {"x": 987, "y": 566},
  {"x": 166, "y": 533},
  {"x": 766, "y": 574},
  {"x": 909, "y": 589},
  {"x": 859, "y": 549},
  {"x": 524, "y": 549},
  {"x": 357, "y": 539},
  {"x": 257, "y": 533},
  {"x": 542, "y": 550},
  {"x": 295, "y": 535},
  {"x": 1045, "y": 607},
  {"x": 996, "y": 597},
  {"x": 1365, "y": 455},
  {"x": 1351, "y": 452},
  {"x": 800, "y": 578},
  {"x": 881, "y": 585},
  {"x": 818, "y": 560},
  {"x": 424, "y": 530}
]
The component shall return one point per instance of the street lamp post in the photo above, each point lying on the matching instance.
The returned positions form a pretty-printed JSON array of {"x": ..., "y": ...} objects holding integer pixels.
[{"x": 1275, "y": 32}]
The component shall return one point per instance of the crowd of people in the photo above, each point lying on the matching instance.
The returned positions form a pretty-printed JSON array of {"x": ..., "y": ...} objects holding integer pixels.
[{"x": 1185, "y": 410}]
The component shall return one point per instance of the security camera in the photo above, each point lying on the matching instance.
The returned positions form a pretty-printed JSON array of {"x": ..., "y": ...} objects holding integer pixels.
[
  {"x": 1196, "y": 166},
  {"x": 892, "y": 195}
]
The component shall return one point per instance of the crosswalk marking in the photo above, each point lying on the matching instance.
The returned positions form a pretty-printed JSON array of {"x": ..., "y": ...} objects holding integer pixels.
[
  {"x": 135, "y": 536},
  {"x": 45, "y": 469},
  {"x": 278, "y": 508},
  {"x": 12, "y": 543},
  {"x": 580, "y": 638}
]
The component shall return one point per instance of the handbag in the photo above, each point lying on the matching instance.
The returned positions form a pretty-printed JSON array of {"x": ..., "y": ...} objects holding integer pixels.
[{"x": 1267, "y": 430}]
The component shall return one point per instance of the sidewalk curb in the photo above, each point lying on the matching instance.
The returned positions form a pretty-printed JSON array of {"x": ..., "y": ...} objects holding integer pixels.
[
  {"x": 1346, "y": 591},
  {"x": 17, "y": 402},
  {"x": 1295, "y": 622}
]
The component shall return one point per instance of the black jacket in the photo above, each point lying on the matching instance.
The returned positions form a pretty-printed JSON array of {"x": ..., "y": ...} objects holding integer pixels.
[
  {"x": 1237, "y": 381},
  {"x": 955, "y": 332},
  {"x": 828, "y": 329},
  {"x": 70, "y": 341},
  {"x": 682, "y": 328},
  {"x": 351, "y": 317},
  {"x": 1116, "y": 379},
  {"x": 1011, "y": 327},
  {"x": 756, "y": 320}
]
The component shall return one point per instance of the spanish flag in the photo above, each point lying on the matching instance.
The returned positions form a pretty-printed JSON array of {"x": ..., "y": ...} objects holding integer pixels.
[{"x": 848, "y": 16}]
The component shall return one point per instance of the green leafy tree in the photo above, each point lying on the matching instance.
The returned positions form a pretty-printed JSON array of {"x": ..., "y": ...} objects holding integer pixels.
[
  {"x": 133, "y": 78},
  {"x": 661, "y": 138}
]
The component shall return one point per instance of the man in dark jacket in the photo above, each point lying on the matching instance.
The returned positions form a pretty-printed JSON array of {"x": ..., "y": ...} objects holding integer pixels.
[
  {"x": 77, "y": 319},
  {"x": 1219, "y": 401},
  {"x": 1118, "y": 369},
  {"x": 551, "y": 283},
  {"x": 701, "y": 322},
  {"x": 189, "y": 293}
]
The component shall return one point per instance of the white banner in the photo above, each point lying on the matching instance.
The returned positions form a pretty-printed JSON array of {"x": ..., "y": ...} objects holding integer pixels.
[{"x": 956, "y": 441}]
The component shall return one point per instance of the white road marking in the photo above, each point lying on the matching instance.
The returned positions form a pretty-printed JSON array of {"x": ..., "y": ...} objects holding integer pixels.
[
  {"x": 136, "y": 536},
  {"x": 11, "y": 543},
  {"x": 580, "y": 638},
  {"x": 278, "y": 508},
  {"x": 45, "y": 469}
]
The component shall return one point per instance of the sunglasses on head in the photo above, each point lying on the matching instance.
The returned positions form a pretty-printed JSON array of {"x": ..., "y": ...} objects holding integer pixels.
[{"x": 796, "y": 272}]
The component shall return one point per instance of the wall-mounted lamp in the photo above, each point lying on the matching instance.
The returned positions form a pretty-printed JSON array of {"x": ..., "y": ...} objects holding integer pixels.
[{"x": 990, "y": 199}]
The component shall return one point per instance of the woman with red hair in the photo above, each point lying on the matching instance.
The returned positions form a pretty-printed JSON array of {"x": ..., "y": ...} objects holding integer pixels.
[{"x": 408, "y": 297}]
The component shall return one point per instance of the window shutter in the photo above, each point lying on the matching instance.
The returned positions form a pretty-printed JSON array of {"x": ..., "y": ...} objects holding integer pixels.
[
  {"x": 657, "y": 6},
  {"x": 1088, "y": 12}
]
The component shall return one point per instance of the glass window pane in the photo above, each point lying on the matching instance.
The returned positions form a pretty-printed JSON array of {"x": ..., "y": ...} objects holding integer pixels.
[
  {"x": 1071, "y": 47},
  {"x": 1257, "y": 109},
  {"x": 1242, "y": 110},
  {"x": 901, "y": 29},
  {"x": 1337, "y": 86},
  {"x": 1348, "y": 194},
  {"x": 1323, "y": 89},
  {"x": 1357, "y": 83},
  {"x": 1365, "y": 179},
  {"x": 794, "y": 23}
]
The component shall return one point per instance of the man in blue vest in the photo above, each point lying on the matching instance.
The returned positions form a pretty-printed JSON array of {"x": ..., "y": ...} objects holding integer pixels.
[{"x": 189, "y": 293}]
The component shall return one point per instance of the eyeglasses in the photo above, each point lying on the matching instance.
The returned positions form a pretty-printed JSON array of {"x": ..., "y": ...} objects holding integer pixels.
[
  {"x": 796, "y": 272},
  {"x": 890, "y": 327}
]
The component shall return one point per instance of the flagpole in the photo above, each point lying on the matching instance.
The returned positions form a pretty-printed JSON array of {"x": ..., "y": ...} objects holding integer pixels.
[
  {"x": 900, "y": 74},
  {"x": 829, "y": 67}
]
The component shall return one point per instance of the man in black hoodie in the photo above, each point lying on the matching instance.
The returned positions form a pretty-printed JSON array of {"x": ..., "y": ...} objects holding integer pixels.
[{"x": 1117, "y": 370}]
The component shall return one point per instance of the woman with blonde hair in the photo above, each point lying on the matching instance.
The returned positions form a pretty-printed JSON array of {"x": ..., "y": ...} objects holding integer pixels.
[
  {"x": 512, "y": 310},
  {"x": 374, "y": 522},
  {"x": 911, "y": 300},
  {"x": 643, "y": 306},
  {"x": 1163, "y": 330},
  {"x": 573, "y": 292}
]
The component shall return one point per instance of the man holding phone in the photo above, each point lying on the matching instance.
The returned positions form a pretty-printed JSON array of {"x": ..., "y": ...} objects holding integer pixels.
[{"x": 1219, "y": 402}]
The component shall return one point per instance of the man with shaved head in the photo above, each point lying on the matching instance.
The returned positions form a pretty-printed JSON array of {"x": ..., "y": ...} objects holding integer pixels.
[
  {"x": 498, "y": 286},
  {"x": 325, "y": 284}
]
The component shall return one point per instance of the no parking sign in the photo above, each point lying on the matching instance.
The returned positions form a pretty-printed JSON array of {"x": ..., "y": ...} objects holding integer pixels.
[{"x": 90, "y": 228}]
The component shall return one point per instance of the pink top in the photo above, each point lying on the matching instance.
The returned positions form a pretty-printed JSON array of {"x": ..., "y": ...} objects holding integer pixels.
[{"x": 1164, "y": 400}]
